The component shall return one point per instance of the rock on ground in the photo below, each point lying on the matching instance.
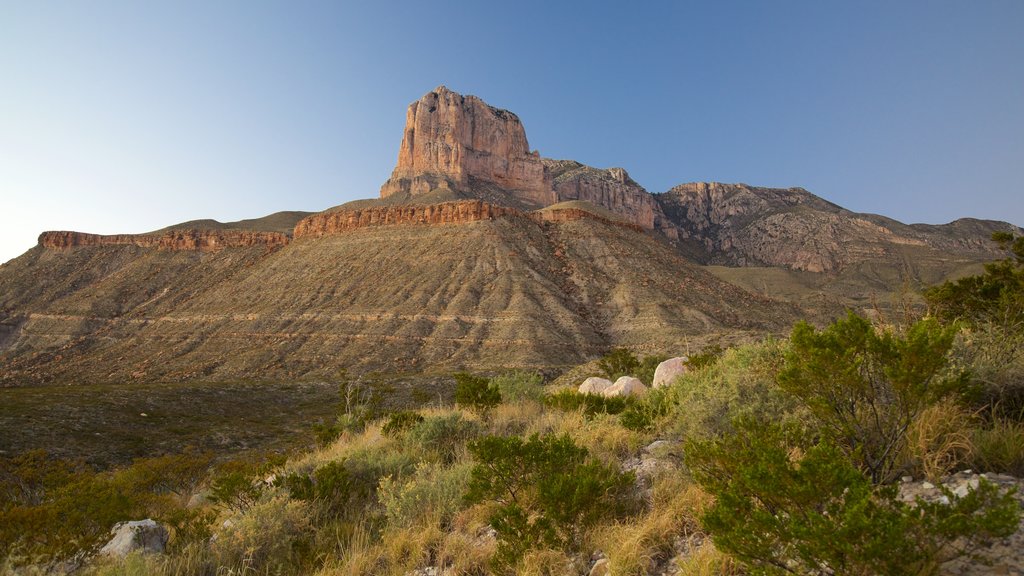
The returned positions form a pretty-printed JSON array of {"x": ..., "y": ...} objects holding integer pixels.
[
  {"x": 668, "y": 371},
  {"x": 594, "y": 385},
  {"x": 625, "y": 386},
  {"x": 138, "y": 535}
]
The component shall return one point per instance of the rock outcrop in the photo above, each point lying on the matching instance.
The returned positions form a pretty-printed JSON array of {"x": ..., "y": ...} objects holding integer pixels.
[
  {"x": 192, "y": 240},
  {"x": 612, "y": 189},
  {"x": 337, "y": 221},
  {"x": 452, "y": 141},
  {"x": 145, "y": 536}
]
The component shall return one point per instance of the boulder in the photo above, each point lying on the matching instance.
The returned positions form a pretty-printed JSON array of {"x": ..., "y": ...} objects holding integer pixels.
[
  {"x": 144, "y": 536},
  {"x": 668, "y": 371},
  {"x": 594, "y": 385},
  {"x": 625, "y": 386}
]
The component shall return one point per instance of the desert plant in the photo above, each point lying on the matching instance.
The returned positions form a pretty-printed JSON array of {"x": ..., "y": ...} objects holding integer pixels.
[
  {"x": 546, "y": 489},
  {"x": 589, "y": 404},
  {"x": 999, "y": 447},
  {"x": 442, "y": 435},
  {"x": 939, "y": 439},
  {"x": 433, "y": 492},
  {"x": 706, "y": 357},
  {"x": 618, "y": 362},
  {"x": 475, "y": 393},
  {"x": 787, "y": 504},
  {"x": 995, "y": 296},
  {"x": 399, "y": 422},
  {"x": 519, "y": 385},
  {"x": 865, "y": 387},
  {"x": 645, "y": 371}
]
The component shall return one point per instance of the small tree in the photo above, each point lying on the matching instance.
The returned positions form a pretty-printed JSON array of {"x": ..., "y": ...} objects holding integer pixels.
[
  {"x": 618, "y": 362},
  {"x": 995, "y": 296},
  {"x": 475, "y": 392},
  {"x": 865, "y": 387}
]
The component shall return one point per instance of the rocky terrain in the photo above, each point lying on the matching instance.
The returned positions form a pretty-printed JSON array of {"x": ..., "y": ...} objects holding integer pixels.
[{"x": 478, "y": 254}]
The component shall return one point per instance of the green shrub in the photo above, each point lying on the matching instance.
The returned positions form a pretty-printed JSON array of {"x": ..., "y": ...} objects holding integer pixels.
[
  {"x": 645, "y": 372},
  {"x": 864, "y": 387},
  {"x": 444, "y": 436},
  {"x": 617, "y": 363},
  {"x": 434, "y": 492},
  {"x": 475, "y": 393},
  {"x": 704, "y": 403},
  {"x": 271, "y": 538},
  {"x": 706, "y": 357},
  {"x": 236, "y": 491},
  {"x": 590, "y": 404},
  {"x": 178, "y": 474},
  {"x": 400, "y": 422},
  {"x": 546, "y": 490},
  {"x": 519, "y": 385},
  {"x": 785, "y": 504},
  {"x": 1000, "y": 447},
  {"x": 996, "y": 296}
]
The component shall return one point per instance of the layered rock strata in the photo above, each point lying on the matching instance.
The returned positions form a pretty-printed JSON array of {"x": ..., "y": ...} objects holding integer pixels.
[
  {"x": 190, "y": 240},
  {"x": 333, "y": 222}
]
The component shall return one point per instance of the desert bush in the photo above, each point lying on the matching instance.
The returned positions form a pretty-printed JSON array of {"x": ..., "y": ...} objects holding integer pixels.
[
  {"x": 995, "y": 296},
  {"x": 270, "y": 538},
  {"x": 178, "y": 474},
  {"x": 519, "y": 385},
  {"x": 399, "y": 422},
  {"x": 706, "y": 357},
  {"x": 704, "y": 403},
  {"x": 994, "y": 357},
  {"x": 939, "y": 440},
  {"x": 589, "y": 404},
  {"x": 475, "y": 393},
  {"x": 865, "y": 387},
  {"x": 546, "y": 488},
  {"x": 236, "y": 490},
  {"x": 645, "y": 372},
  {"x": 617, "y": 363},
  {"x": 433, "y": 494},
  {"x": 787, "y": 504},
  {"x": 444, "y": 436},
  {"x": 644, "y": 413}
]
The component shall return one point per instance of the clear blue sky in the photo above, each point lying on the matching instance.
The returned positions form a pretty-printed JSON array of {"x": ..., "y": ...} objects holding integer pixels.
[{"x": 129, "y": 116}]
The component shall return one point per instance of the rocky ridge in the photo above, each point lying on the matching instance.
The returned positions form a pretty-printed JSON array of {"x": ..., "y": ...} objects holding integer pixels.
[{"x": 190, "y": 240}]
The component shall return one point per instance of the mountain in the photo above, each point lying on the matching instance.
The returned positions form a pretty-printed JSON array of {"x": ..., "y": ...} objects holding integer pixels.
[{"x": 478, "y": 254}]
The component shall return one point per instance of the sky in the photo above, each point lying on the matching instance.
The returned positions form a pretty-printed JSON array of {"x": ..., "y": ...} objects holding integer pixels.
[{"x": 125, "y": 117}]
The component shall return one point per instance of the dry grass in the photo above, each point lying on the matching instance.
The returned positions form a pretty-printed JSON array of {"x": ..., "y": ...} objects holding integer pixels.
[
  {"x": 707, "y": 560},
  {"x": 1000, "y": 448},
  {"x": 939, "y": 440},
  {"x": 633, "y": 546}
]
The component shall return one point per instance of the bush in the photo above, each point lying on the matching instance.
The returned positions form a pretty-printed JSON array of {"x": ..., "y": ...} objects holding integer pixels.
[
  {"x": 617, "y": 363},
  {"x": 445, "y": 436},
  {"x": 866, "y": 387},
  {"x": 270, "y": 539},
  {"x": 236, "y": 490},
  {"x": 706, "y": 357},
  {"x": 546, "y": 489},
  {"x": 645, "y": 372},
  {"x": 1000, "y": 447},
  {"x": 642, "y": 414},
  {"x": 785, "y": 504},
  {"x": 590, "y": 404},
  {"x": 704, "y": 403},
  {"x": 519, "y": 385},
  {"x": 400, "y": 422},
  {"x": 433, "y": 493},
  {"x": 996, "y": 296},
  {"x": 475, "y": 393}
]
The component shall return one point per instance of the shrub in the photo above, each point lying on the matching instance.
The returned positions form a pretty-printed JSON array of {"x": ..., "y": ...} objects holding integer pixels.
[
  {"x": 617, "y": 363},
  {"x": 236, "y": 491},
  {"x": 865, "y": 387},
  {"x": 590, "y": 404},
  {"x": 546, "y": 489},
  {"x": 996, "y": 296},
  {"x": 642, "y": 414},
  {"x": 519, "y": 385},
  {"x": 445, "y": 436},
  {"x": 784, "y": 504},
  {"x": 706, "y": 357},
  {"x": 475, "y": 393},
  {"x": 704, "y": 403},
  {"x": 179, "y": 474},
  {"x": 645, "y": 372},
  {"x": 400, "y": 422},
  {"x": 433, "y": 493},
  {"x": 269, "y": 539},
  {"x": 1000, "y": 447}
]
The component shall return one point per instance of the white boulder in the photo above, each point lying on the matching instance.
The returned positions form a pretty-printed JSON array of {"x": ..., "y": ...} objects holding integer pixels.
[
  {"x": 626, "y": 386},
  {"x": 145, "y": 536},
  {"x": 594, "y": 385},
  {"x": 668, "y": 371}
]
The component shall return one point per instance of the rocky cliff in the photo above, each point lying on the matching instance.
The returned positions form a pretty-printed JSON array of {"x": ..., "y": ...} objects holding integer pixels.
[
  {"x": 335, "y": 221},
  {"x": 452, "y": 141},
  {"x": 198, "y": 240}
]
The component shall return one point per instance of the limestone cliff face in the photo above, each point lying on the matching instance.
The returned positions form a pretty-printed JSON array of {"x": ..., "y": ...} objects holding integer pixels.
[
  {"x": 612, "y": 189},
  {"x": 336, "y": 221},
  {"x": 192, "y": 240},
  {"x": 451, "y": 141}
]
